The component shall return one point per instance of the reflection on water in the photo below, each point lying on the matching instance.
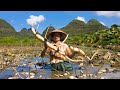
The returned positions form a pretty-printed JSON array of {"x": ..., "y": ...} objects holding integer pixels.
[
  {"x": 23, "y": 68},
  {"x": 46, "y": 73},
  {"x": 6, "y": 74}
]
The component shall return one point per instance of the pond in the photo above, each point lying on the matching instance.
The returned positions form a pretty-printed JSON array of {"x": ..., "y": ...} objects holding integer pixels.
[{"x": 28, "y": 69}]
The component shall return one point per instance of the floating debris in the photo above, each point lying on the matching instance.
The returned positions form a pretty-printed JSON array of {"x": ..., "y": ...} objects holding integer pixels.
[
  {"x": 72, "y": 77},
  {"x": 65, "y": 74},
  {"x": 56, "y": 75},
  {"x": 102, "y": 78}
]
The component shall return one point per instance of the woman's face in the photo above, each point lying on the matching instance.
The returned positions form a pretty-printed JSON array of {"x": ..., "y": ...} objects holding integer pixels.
[{"x": 56, "y": 37}]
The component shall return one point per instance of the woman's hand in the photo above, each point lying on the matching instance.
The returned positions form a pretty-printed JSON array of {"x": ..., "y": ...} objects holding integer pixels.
[
  {"x": 77, "y": 50},
  {"x": 44, "y": 50}
]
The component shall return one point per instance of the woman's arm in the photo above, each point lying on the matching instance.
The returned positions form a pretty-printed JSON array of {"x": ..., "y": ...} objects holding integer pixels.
[
  {"x": 69, "y": 52},
  {"x": 45, "y": 50}
]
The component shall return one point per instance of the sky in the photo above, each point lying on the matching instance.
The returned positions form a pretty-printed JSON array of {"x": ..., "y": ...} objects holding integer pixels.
[{"x": 58, "y": 19}]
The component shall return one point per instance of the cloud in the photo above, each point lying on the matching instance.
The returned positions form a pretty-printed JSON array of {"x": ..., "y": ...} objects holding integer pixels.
[
  {"x": 80, "y": 18},
  {"x": 108, "y": 13},
  {"x": 103, "y": 23},
  {"x": 33, "y": 20}
]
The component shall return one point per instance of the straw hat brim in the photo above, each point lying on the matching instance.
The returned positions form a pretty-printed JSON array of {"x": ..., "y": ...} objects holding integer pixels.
[{"x": 62, "y": 37}]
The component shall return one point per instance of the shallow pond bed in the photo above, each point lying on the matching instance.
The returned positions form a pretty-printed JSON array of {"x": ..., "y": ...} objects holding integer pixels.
[{"x": 29, "y": 70}]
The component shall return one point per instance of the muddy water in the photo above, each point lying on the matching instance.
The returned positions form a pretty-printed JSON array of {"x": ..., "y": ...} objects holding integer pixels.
[{"x": 27, "y": 65}]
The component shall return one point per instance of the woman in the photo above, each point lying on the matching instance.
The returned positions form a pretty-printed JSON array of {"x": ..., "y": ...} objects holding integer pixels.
[{"x": 57, "y": 59}]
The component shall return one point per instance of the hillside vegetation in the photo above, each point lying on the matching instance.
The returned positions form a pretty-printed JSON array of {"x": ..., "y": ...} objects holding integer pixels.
[
  {"x": 92, "y": 34},
  {"x": 106, "y": 38}
]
